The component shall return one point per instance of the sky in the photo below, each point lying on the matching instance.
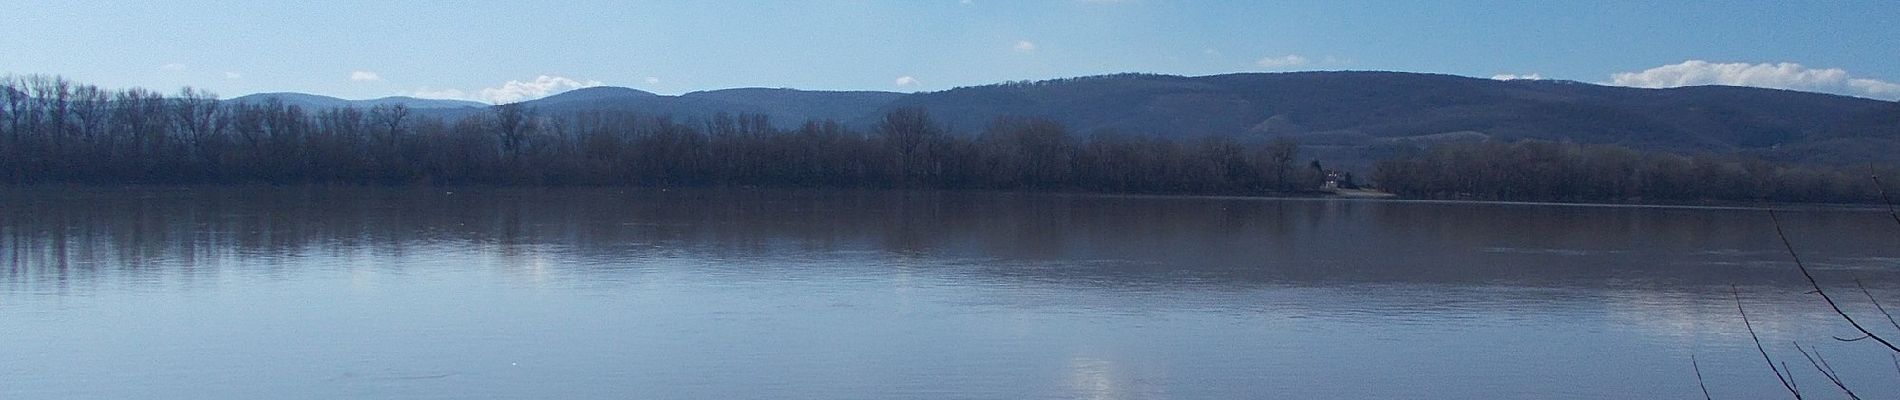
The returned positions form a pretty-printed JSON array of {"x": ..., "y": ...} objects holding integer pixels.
[{"x": 511, "y": 51}]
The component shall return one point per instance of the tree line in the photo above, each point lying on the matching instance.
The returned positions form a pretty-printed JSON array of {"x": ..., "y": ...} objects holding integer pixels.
[
  {"x": 55, "y": 131},
  {"x": 1535, "y": 170}
]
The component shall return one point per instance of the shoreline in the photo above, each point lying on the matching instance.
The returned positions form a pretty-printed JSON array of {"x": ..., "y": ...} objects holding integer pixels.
[{"x": 1316, "y": 195}]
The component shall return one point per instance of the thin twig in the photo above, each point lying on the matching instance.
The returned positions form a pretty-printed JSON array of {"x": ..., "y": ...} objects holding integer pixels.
[
  {"x": 1698, "y": 378},
  {"x": 1817, "y": 286},
  {"x": 1883, "y": 310},
  {"x": 1792, "y": 385},
  {"x": 1836, "y": 376},
  {"x": 1826, "y": 370},
  {"x": 1883, "y": 195},
  {"x": 1787, "y": 382}
]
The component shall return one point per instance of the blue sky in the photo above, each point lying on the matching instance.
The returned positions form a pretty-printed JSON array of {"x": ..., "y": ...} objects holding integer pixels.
[{"x": 498, "y": 51}]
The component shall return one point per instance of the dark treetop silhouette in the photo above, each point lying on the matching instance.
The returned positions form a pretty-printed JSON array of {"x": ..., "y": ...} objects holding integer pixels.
[{"x": 56, "y": 131}]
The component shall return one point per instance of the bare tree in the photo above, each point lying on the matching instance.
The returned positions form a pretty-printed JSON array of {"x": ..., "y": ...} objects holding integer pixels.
[
  {"x": 513, "y": 122},
  {"x": 196, "y": 114},
  {"x": 907, "y": 131}
]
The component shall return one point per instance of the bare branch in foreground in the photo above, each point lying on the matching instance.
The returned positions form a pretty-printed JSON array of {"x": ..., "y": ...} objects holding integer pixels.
[
  {"x": 1853, "y": 339},
  {"x": 1884, "y": 197},
  {"x": 1698, "y": 378},
  {"x": 1817, "y": 286},
  {"x": 1883, "y": 310},
  {"x": 1826, "y": 370},
  {"x": 1791, "y": 384},
  {"x": 1787, "y": 381}
]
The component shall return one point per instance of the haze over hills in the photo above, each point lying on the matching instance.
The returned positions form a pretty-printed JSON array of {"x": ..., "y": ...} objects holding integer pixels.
[
  {"x": 781, "y": 103},
  {"x": 1367, "y": 110},
  {"x": 785, "y": 106},
  {"x": 312, "y": 101},
  {"x": 1352, "y": 115}
]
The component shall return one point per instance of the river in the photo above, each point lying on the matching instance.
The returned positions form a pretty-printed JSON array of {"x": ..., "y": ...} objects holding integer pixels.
[{"x": 320, "y": 293}]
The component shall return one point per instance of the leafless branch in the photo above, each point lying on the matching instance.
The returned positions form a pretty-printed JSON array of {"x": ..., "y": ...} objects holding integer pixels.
[
  {"x": 1787, "y": 381},
  {"x": 1820, "y": 364},
  {"x": 1883, "y": 310},
  {"x": 1791, "y": 383},
  {"x": 1698, "y": 377},
  {"x": 1883, "y": 196},
  {"x": 1817, "y": 286},
  {"x": 1852, "y": 339}
]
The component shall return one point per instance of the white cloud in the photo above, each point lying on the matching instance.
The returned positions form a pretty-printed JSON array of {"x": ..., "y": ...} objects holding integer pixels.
[
  {"x": 1776, "y": 75},
  {"x": 1286, "y": 61},
  {"x": 653, "y": 80},
  {"x": 172, "y": 67},
  {"x": 1024, "y": 46},
  {"x": 512, "y": 91},
  {"x": 1513, "y": 77},
  {"x": 1881, "y": 89},
  {"x": 233, "y": 75},
  {"x": 541, "y": 86},
  {"x": 364, "y": 76},
  {"x": 428, "y": 93},
  {"x": 906, "y": 81}
]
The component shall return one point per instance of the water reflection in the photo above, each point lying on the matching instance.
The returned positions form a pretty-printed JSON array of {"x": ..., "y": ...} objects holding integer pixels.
[
  {"x": 603, "y": 292},
  {"x": 77, "y": 237}
]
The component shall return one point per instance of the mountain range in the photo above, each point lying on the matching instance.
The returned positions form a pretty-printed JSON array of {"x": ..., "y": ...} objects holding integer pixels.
[
  {"x": 1355, "y": 116},
  {"x": 318, "y": 102}
]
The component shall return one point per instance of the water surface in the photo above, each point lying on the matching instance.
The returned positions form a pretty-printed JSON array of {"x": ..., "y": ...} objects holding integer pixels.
[{"x": 186, "y": 293}]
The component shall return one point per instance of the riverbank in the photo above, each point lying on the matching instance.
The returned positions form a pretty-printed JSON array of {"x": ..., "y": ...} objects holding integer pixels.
[{"x": 150, "y": 189}]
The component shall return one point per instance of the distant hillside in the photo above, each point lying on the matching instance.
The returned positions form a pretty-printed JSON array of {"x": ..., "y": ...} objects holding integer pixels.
[
  {"x": 787, "y": 107},
  {"x": 625, "y": 99},
  {"x": 1210, "y": 135},
  {"x": 318, "y": 102},
  {"x": 798, "y": 105},
  {"x": 1377, "y": 108},
  {"x": 1353, "y": 117}
]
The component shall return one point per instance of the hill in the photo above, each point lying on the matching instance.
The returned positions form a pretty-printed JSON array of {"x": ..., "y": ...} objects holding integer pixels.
[
  {"x": 1353, "y": 117},
  {"x": 793, "y": 105},
  {"x": 318, "y": 102},
  {"x": 787, "y": 107},
  {"x": 1374, "y": 109}
]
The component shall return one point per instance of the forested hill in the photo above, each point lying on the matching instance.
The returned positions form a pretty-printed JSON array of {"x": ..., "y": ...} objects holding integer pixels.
[
  {"x": 788, "y": 107},
  {"x": 317, "y": 102},
  {"x": 1354, "y": 113},
  {"x": 1375, "y": 108},
  {"x": 1418, "y": 135},
  {"x": 1353, "y": 117}
]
